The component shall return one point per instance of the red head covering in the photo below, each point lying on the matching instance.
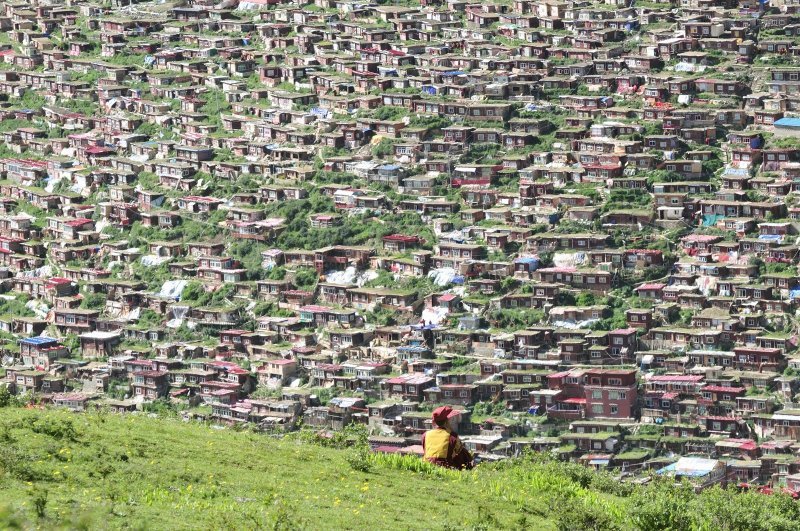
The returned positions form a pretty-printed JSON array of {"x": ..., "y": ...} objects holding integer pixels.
[{"x": 441, "y": 414}]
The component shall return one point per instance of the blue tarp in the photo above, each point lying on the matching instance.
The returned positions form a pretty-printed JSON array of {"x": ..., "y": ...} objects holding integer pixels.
[
  {"x": 531, "y": 262},
  {"x": 787, "y": 122},
  {"x": 39, "y": 340}
]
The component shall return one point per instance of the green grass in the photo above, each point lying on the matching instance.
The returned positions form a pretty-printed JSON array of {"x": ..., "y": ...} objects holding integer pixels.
[
  {"x": 138, "y": 472},
  {"x": 60, "y": 470}
]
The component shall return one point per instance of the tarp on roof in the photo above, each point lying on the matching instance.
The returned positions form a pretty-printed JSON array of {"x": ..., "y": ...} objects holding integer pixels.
[
  {"x": 738, "y": 172},
  {"x": 787, "y": 122},
  {"x": 172, "y": 289},
  {"x": 38, "y": 340},
  {"x": 442, "y": 276},
  {"x": 690, "y": 467}
]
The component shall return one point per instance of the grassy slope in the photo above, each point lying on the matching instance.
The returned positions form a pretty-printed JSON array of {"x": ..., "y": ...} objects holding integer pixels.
[
  {"x": 138, "y": 472},
  {"x": 103, "y": 471}
]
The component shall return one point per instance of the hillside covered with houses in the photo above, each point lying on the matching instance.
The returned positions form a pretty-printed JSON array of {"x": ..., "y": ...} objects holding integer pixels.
[{"x": 576, "y": 222}]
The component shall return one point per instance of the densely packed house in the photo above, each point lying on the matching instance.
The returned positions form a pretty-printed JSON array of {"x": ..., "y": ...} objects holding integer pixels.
[{"x": 576, "y": 222}]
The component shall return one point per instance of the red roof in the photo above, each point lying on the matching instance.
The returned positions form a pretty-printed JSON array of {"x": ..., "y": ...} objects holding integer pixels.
[
  {"x": 574, "y": 401},
  {"x": 677, "y": 378},
  {"x": 386, "y": 449},
  {"x": 651, "y": 286},
  {"x": 77, "y": 222},
  {"x": 98, "y": 149},
  {"x": 413, "y": 379},
  {"x": 315, "y": 308},
  {"x": 744, "y": 444}
]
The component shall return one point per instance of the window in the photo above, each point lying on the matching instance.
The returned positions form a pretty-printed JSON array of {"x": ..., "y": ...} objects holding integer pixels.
[
  {"x": 597, "y": 394},
  {"x": 597, "y": 408},
  {"x": 614, "y": 410}
]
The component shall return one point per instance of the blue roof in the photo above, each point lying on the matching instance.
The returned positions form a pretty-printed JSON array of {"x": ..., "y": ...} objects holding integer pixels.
[
  {"x": 788, "y": 122},
  {"x": 38, "y": 340}
]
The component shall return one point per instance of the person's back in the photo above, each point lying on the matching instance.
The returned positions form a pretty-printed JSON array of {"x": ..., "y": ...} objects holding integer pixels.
[{"x": 442, "y": 447}]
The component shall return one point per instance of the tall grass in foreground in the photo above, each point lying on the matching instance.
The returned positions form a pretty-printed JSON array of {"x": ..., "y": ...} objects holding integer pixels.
[{"x": 578, "y": 498}]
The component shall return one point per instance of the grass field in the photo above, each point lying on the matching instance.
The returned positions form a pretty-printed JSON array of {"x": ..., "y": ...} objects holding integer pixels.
[
  {"x": 103, "y": 471},
  {"x": 109, "y": 471}
]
